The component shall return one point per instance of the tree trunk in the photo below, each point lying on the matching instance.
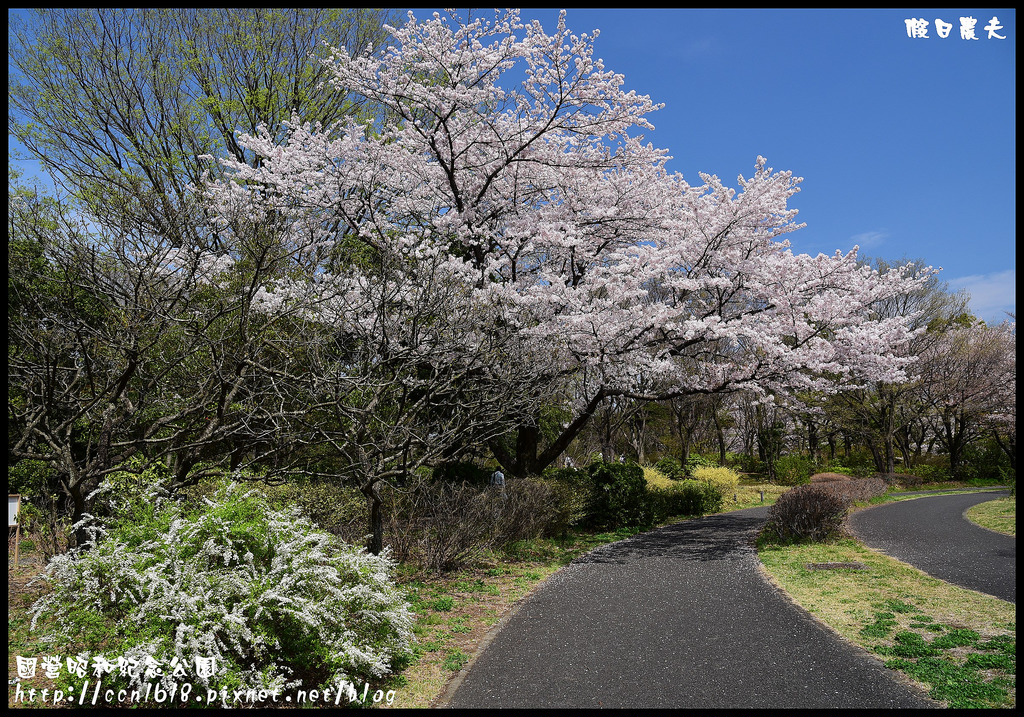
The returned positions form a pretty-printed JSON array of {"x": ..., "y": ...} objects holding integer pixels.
[
  {"x": 720, "y": 432},
  {"x": 812, "y": 438},
  {"x": 80, "y": 509},
  {"x": 876, "y": 456},
  {"x": 1009, "y": 447},
  {"x": 375, "y": 543},
  {"x": 527, "y": 460},
  {"x": 890, "y": 455}
]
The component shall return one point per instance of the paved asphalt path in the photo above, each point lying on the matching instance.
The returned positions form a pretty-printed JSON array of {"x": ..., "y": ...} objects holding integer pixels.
[
  {"x": 932, "y": 534},
  {"x": 679, "y": 617}
]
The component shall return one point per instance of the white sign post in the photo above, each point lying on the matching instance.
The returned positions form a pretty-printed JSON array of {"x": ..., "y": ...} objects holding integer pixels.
[{"x": 13, "y": 511}]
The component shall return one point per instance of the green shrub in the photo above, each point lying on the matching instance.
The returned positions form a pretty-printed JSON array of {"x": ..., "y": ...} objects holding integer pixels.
[
  {"x": 860, "y": 462},
  {"x": 932, "y": 469},
  {"x": 1008, "y": 477},
  {"x": 982, "y": 462},
  {"x": 621, "y": 492},
  {"x": 31, "y": 478},
  {"x": 685, "y": 498},
  {"x": 574, "y": 494},
  {"x": 337, "y": 508},
  {"x": 696, "y": 460},
  {"x": 725, "y": 479},
  {"x": 655, "y": 478},
  {"x": 751, "y": 464},
  {"x": 671, "y": 468},
  {"x": 807, "y": 513},
  {"x": 794, "y": 469},
  {"x": 835, "y": 467},
  {"x": 263, "y": 592}
]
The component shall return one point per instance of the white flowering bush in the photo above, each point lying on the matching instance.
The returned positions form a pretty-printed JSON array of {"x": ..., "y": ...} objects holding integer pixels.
[{"x": 275, "y": 601}]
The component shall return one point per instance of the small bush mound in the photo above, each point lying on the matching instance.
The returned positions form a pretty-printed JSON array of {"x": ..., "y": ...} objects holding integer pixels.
[
  {"x": 808, "y": 513},
  {"x": 857, "y": 489},
  {"x": 828, "y": 477},
  {"x": 725, "y": 479},
  {"x": 276, "y": 602},
  {"x": 907, "y": 480}
]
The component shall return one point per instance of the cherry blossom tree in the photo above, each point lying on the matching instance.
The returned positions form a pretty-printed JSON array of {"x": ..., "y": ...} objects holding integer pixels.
[
  {"x": 390, "y": 366},
  {"x": 1003, "y": 420},
  {"x": 515, "y": 160},
  {"x": 883, "y": 413}
]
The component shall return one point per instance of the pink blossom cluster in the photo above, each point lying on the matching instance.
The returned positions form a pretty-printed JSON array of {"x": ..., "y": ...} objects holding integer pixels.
[{"x": 511, "y": 164}]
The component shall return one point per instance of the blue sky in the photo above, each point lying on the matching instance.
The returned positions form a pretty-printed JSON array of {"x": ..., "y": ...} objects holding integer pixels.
[{"x": 906, "y": 145}]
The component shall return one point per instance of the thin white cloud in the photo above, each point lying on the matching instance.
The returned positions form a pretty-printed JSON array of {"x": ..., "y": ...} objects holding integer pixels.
[
  {"x": 869, "y": 240},
  {"x": 992, "y": 295}
]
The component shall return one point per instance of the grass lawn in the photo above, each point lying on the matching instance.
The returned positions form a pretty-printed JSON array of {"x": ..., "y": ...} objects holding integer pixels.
[
  {"x": 999, "y": 515},
  {"x": 957, "y": 644}
]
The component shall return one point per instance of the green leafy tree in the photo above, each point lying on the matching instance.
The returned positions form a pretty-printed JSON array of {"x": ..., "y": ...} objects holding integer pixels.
[
  {"x": 121, "y": 348},
  {"x": 121, "y": 105}
]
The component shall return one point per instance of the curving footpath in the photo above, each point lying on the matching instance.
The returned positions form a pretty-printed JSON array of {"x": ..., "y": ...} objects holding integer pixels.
[
  {"x": 932, "y": 534},
  {"x": 677, "y": 617}
]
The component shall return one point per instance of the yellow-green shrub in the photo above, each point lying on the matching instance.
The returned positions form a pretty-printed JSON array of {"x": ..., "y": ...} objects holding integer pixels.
[
  {"x": 725, "y": 479},
  {"x": 655, "y": 478}
]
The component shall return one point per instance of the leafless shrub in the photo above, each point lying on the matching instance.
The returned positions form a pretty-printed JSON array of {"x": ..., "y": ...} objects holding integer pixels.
[
  {"x": 828, "y": 477},
  {"x": 903, "y": 479},
  {"x": 813, "y": 512},
  {"x": 857, "y": 489},
  {"x": 442, "y": 526}
]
